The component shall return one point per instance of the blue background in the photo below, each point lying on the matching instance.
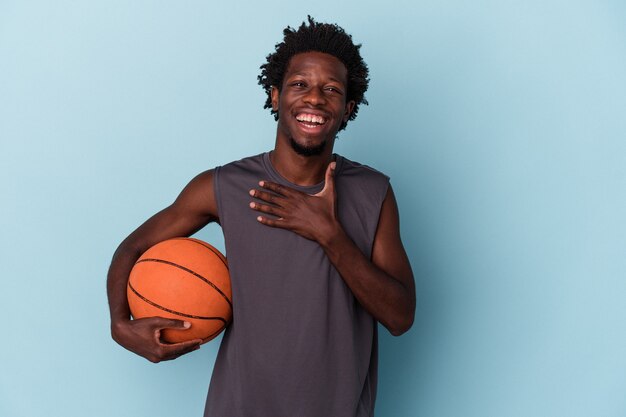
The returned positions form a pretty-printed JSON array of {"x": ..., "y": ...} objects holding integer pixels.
[{"x": 501, "y": 124}]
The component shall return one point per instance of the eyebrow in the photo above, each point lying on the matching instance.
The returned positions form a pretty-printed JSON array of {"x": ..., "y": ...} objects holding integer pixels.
[{"x": 306, "y": 73}]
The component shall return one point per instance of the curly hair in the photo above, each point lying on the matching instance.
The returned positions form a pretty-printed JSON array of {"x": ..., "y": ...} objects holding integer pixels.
[{"x": 319, "y": 37}]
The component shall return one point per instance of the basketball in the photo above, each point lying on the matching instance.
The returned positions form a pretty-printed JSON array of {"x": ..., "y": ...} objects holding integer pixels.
[{"x": 185, "y": 279}]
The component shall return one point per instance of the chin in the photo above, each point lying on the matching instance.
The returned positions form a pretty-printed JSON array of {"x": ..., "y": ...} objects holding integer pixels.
[{"x": 305, "y": 150}]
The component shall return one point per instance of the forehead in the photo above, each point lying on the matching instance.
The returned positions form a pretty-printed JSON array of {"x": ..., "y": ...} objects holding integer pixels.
[{"x": 318, "y": 65}]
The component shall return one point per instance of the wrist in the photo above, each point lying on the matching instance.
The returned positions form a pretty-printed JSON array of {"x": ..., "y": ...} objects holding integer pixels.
[
  {"x": 117, "y": 327},
  {"x": 333, "y": 236}
]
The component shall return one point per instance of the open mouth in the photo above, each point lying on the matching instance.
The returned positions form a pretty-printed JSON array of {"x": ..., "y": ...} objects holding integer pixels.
[{"x": 310, "y": 120}]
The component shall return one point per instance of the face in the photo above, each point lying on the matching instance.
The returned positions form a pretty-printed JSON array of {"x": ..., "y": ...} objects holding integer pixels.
[{"x": 312, "y": 102}]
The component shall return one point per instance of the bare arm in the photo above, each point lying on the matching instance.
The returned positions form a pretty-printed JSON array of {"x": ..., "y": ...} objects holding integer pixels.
[
  {"x": 193, "y": 209},
  {"x": 384, "y": 284}
]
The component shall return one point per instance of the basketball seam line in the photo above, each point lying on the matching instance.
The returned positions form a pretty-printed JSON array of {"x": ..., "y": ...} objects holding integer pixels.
[
  {"x": 191, "y": 272},
  {"x": 160, "y": 307},
  {"x": 212, "y": 335},
  {"x": 201, "y": 243}
]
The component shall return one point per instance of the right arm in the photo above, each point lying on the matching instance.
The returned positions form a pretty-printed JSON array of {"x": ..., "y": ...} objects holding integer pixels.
[{"x": 194, "y": 208}]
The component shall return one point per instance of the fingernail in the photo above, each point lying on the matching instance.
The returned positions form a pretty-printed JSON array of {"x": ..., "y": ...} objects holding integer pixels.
[
  {"x": 332, "y": 165},
  {"x": 252, "y": 193},
  {"x": 251, "y": 205},
  {"x": 261, "y": 183},
  {"x": 186, "y": 325}
]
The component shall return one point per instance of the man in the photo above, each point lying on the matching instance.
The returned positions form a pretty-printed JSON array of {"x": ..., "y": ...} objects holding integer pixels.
[{"x": 313, "y": 245}]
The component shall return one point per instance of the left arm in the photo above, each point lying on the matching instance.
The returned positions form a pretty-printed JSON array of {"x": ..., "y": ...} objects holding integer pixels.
[{"x": 383, "y": 285}]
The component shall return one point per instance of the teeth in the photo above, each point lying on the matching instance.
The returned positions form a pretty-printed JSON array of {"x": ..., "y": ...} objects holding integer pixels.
[{"x": 311, "y": 118}]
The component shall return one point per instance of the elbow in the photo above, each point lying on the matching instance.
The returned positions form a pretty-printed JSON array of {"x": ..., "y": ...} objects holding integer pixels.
[
  {"x": 400, "y": 330},
  {"x": 402, "y": 325}
]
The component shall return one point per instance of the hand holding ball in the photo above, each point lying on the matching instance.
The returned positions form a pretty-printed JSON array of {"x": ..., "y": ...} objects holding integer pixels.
[{"x": 185, "y": 279}]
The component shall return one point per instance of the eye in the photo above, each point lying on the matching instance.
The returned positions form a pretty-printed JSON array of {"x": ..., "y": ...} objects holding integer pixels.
[
  {"x": 298, "y": 84},
  {"x": 333, "y": 89}
]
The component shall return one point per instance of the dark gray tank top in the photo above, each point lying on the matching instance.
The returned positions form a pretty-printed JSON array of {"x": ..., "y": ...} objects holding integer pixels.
[{"x": 300, "y": 344}]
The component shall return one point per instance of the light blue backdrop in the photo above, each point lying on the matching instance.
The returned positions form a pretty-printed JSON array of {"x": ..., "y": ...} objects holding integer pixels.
[{"x": 501, "y": 124}]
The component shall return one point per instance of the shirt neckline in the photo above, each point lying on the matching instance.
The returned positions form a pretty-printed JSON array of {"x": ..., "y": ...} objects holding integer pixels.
[{"x": 309, "y": 189}]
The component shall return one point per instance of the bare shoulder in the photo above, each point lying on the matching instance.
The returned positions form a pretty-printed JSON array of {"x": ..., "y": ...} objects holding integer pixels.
[
  {"x": 388, "y": 252},
  {"x": 389, "y": 221},
  {"x": 199, "y": 196}
]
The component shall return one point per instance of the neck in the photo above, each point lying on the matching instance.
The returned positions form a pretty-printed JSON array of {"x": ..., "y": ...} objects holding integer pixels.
[{"x": 299, "y": 169}]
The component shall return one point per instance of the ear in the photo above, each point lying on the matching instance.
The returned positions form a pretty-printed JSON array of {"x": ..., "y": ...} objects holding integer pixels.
[
  {"x": 275, "y": 96},
  {"x": 349, "y": 107}
]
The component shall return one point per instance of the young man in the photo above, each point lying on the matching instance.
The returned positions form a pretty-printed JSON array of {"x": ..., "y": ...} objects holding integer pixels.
[{"x": 313, "y": 246}]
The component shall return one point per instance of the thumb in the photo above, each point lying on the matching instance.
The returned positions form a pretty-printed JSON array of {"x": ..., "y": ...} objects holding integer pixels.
[
  {"x": 161, "y": 323},
  {"x": 175, "y": 324},
  {"x": 329, "y": 181}
]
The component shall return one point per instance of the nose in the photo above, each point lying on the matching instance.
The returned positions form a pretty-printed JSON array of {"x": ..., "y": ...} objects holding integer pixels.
[{"x": 315, "y": 96}]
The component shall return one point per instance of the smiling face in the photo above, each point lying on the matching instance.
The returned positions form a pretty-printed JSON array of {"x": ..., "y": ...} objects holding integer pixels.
[{"x": 311, "y": 102}]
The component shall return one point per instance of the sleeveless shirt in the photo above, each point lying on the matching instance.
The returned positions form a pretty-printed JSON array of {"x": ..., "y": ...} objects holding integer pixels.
[{"x": 300, "y": 344}]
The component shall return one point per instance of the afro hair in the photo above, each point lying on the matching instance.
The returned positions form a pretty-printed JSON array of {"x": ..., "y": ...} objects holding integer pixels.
[{"x": 318, "y": 37}]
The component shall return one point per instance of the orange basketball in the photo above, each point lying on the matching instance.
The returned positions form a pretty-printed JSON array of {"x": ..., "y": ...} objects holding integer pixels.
[{"x": 185, "y": 279}]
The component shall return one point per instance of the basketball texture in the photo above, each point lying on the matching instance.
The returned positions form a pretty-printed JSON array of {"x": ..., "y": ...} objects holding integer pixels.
[{"x": 185, "y": 279}]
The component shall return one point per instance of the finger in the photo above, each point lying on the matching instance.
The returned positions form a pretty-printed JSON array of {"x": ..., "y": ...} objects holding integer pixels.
[
  {"x": 277, "y": 188},
  {"x": 265, "y": 208},
  {"x": 267, "y": 197},
  {"x": 163, "y": 323},
  {"x": 280, "y": 223},
  {"x": 174, "y": 350}
]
